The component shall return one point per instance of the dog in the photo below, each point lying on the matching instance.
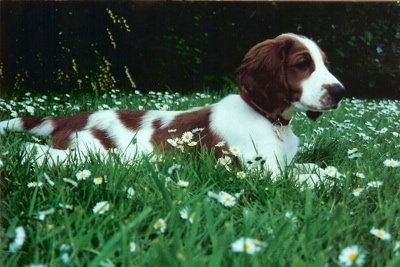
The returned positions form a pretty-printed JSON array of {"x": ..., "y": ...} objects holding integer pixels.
[{"x": 277, "y": 78}]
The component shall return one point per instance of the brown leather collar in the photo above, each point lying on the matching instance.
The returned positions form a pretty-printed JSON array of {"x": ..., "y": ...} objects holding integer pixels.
[{"x": 277, "y": 120}]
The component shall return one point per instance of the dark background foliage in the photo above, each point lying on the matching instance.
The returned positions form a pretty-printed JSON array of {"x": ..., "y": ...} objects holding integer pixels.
[{"x": 186, "y": 46}]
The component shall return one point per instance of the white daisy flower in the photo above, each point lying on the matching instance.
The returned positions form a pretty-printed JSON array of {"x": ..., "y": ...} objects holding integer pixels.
[
  {"x": 130, "y": 192},
  {"x": 35, "y": 184},
  {"x": 101, "y": 207},
  {"x": 220, "y": 144},
  {"x": 82, "y": 175},
  {"x": 185, "y": 215},
  {"x": 160, "y": 225},
  {"x": 51, "y": 183},
  {"x": 98, "y": 180},
  {"x": 197, "y": 130},
  {"x": 332, "y": 172},
  {"x": 18, "y": 240},
  {"x": 71, "y": 182},
  {"x": 226, "y": 199},
  {"x": 375, "y": 184},
  {"x": 357, "y": 191},
  {"x": 241, "y": 174},
  {"x": 359, "y": 175},
  {"x": 235, "y": 151},
  {"x": 391, "y": 163},
  {"x": 132, "y": 246},
  {"x": 380, "y": 233},
  {"x": 42, "y": 214},
  {"x": 247, "y": 245},
  {"x": 182, "y": 183},
  {"x": 352, "y": 255},
  {"x": 187, "y": 137},
  {"x": 172, "y": 169}
]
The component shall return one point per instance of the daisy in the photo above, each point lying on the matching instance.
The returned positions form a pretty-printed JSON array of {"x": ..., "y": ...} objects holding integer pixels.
[
  {"x": 35, "y": 184},
  {"x": 380, "y": 233},
  {"x": 173, "y": 142},
  {"x": 220, "y": 144},
  {"x": 51, "y": 183},
  {"x": 101, "y": 207},
  {"x": 241, "y": 174},
  {"x": 359, "y": 175},
  {"x": 391, "y": 163},
  {"x": 247, "y": 245},
  {"x": 187, "y": 137},
  {"x": 197, "y": 130},
  {"x": 224, "y": 161},
  {"x": 42, "y": 214},
  {"x": 160, "y": 225},
  {"x": 185, "y": 215},
  {"x": 66, "y": 206},
  {"x": 19, "y": 239},
  {"x": 193, "y": 143},
  {"x": 71, "y": 182},
  {"x": 130, "y": 192},
  {"x": 82, "y": 175},
  {"x": 332, "y": 172},
  {"x": 98, "y": 180},
  {"x": 353, "y": 150},
  {"x": 353, "y": 153},
  {"x": 172, "y": 169},
  {"x": 132, "y": 246},
  {"x": 357, "y": 191},
  {"x": 352, "y": 255},
  {"x": 226, "y": 199},
  {"x": 235, "y": 151},
  {"x": 375, "y": 184},
  {"x": 182, "y": 183}
]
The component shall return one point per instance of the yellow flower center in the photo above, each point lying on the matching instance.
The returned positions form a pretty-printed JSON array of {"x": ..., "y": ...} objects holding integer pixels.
[
  {"x": 380, "y": 233},
  {"x": 352, "y": 256},
  {"x": 159, "y": 224},
  {"x": 247, "y": 246},
  {"x": 228, "y": 199}
]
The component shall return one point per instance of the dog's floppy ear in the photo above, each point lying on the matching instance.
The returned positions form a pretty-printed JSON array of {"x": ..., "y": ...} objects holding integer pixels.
[
  {"x": 313, "y": 115},
  {"x": 262, "y": 75}
]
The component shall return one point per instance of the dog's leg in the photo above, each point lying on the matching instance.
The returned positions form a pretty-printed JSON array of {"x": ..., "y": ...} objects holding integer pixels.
[{"x": 41, "y": 154}]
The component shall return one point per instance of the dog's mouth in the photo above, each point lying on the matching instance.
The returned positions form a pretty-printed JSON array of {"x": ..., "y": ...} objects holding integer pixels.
[{"x": 313, "y": 115}]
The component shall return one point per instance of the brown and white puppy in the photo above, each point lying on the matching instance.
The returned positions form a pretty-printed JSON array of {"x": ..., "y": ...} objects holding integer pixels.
[{"x": 277, "y": 77}]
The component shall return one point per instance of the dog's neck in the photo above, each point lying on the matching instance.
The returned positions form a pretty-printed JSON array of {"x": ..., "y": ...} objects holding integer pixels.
[{"x": 283, "y": 119}]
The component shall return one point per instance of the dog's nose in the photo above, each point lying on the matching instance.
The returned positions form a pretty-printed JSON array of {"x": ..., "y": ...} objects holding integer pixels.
[{"x": 336, "y": 91}]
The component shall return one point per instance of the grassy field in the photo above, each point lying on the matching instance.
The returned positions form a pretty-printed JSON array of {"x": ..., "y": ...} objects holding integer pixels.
[{"x": 183, "y": 209}]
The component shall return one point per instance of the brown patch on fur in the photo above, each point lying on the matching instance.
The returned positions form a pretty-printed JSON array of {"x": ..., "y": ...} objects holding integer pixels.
[
  {"x": 104, "y": 138},
  {"x": 186, "y": 121},
  {"x": 65, "y": 126},
  {"x": 31, "y": 122},
  {"x": 131, "y": 119}
]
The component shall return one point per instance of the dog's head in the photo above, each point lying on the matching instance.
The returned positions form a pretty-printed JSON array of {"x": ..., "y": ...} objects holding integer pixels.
[{"x": 289, "y": 71}]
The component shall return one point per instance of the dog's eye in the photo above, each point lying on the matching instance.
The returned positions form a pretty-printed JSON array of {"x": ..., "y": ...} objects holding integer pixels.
[{"x": 304, "y": 65}]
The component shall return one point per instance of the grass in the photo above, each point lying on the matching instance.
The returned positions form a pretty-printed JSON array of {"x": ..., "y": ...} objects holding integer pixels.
[{"x": 298, "y": 226}]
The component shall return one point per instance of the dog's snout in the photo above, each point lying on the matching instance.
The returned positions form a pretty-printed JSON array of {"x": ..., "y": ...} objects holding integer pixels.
[{"x": 336, "y": 91}]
